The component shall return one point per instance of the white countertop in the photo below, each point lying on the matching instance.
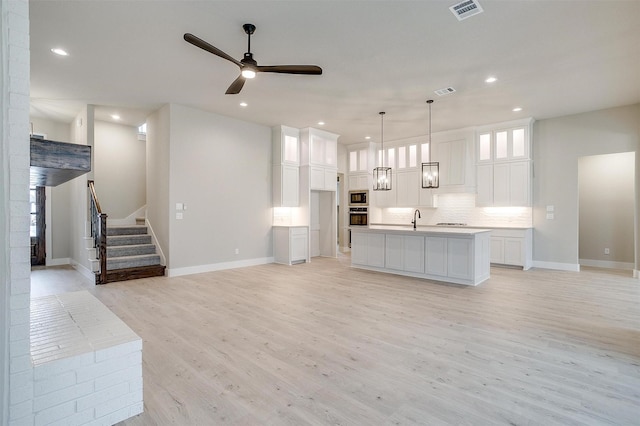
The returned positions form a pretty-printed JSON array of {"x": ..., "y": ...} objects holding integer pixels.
[
  {"x": 465, "y": 226},
  {"x": 403, "y": 229}
]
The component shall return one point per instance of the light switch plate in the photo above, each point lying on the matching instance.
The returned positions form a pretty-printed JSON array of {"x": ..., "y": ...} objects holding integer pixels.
[
  {"x": 179, "y": 206},
  {"x": 550, "y": 208},
  {"x": 179, "y": 216},
  {"x": 550, "y": 216}
]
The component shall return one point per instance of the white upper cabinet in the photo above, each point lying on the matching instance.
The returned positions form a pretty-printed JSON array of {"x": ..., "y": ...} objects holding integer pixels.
[
  {"x": 319, "y": 151},
  {"x": 504, "y": 142},
  {"x": 503, "y": 169},
  {"x": 319, "y": 148},
  {"x": 286, "y": 145},
  {"x": 454, "y": 152},
  {"x": 360, "y": 167},
  {"x": 359, "y": 160}
]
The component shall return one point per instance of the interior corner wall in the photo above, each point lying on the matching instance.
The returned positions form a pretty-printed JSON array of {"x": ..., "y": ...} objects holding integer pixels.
[
  {"x": 158, "y": 176},
  {"x": 120, "y": 169},
  {"x": 221, "y": 169},
  {"x": 557, "y": 145}
]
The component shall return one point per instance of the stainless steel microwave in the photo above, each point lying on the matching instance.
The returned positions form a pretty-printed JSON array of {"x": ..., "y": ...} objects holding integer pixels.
[{"x": 359, "y": 198}]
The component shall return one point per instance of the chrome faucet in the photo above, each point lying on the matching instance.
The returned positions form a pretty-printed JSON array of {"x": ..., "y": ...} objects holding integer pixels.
[{"x": 414, "y": 218}]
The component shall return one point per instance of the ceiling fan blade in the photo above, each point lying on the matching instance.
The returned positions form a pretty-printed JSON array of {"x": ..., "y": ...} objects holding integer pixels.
[
  {"x": 292, "y": 69},
  {"x": 198, "y": 42},
  {"x": 236, "y": 86}
]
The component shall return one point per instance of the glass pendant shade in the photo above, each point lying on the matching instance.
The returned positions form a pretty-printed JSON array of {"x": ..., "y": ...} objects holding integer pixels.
[
  {"x": 382, "y": 175},
  {"x": 382, "y": 179},
  {"x": 430, "y": 171},
  {"x": 430, "y": 175}
]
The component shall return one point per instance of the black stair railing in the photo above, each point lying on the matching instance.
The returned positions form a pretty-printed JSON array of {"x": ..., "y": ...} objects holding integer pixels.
[{"x": 98, "y": 233}]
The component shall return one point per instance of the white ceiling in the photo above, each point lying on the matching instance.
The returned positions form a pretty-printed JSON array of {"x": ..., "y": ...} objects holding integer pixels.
[{"x": 552, "y": 58}]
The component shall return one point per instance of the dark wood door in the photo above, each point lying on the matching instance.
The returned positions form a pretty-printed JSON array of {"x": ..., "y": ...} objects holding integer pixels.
[{"x": 37, "y": 228}]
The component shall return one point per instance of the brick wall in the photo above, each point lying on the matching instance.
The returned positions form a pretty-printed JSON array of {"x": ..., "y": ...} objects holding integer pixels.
[
  {"x": 88, "y": 363},
  {"x": 15, "y": 196},
  {"x": 461, "y": 208}
]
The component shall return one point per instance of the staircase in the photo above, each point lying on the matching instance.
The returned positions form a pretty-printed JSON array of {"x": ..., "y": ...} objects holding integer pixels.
[{"x": 130, "y": 254}]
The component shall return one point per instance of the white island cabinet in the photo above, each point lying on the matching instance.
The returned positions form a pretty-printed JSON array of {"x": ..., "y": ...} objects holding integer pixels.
[{"x": 455, "y": 255}]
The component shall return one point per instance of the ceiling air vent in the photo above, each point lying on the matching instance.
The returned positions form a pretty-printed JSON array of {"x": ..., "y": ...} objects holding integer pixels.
[
  {"x": 445, "y": 91},
  {"x": 466, "y": 9}
]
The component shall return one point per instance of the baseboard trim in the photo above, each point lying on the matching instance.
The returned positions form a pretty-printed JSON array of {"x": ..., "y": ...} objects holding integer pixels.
[
  {"x": 573, "y": 267},
  {"x": 83, "y": 270},
  {"x": 606, "y": 264},
  {"x": 190, "y": 270},
  {"x": 636, "y": 273},
  {"x": 58, "y": 262}
]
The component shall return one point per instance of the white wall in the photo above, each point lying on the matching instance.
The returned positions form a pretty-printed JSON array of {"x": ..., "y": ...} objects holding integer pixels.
[
  {"x": 221, "y": 169},
  {"x": 120, "y": 171},
  {"x": 558, "y": 143},
  {"x": 607, "y": 194},
  {"x": 16, "y": 370}
]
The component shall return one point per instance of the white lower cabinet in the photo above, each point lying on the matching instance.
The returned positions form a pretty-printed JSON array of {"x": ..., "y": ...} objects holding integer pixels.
[
  {"x": 511, "y": 247},
  {"x": 436, "y": 259},
  {"x": 368, "y": 249},
  {"x": 413, "y": 254},
  {"x": 462, "y": 257},
  {"x": 404, "y": 253},
  {"x": 290, "y": 244}
]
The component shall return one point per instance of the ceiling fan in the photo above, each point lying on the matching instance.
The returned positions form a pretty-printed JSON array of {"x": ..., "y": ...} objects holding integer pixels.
[{"x": 248, "y": 66}]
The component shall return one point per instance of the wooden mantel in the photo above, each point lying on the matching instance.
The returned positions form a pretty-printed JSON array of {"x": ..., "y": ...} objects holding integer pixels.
[{"x": 53, "y": 163}]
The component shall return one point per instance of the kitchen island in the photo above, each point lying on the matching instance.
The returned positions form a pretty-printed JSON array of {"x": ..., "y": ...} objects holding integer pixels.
[{"x": 449, "y": 254}]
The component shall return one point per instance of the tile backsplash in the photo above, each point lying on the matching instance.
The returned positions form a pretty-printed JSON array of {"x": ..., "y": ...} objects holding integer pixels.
[{"x": 461, "y": 208}]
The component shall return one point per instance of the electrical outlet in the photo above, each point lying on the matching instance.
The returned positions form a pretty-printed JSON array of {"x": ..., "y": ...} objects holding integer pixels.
[
  {"x": 606, "y": 250},
  {"x": 238, "y": 251}
]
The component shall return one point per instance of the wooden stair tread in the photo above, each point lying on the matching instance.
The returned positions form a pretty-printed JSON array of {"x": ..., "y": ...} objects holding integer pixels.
[{"x": 133, "y": 273}]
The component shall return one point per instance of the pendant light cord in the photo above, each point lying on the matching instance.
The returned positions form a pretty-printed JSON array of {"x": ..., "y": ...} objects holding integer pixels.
[
  {"x": 382, "y": 135},
  {"x": 430, "y": 101}
]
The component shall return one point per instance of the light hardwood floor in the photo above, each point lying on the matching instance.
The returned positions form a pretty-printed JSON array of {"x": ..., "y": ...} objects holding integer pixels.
[{"x": 322, "y": 343}]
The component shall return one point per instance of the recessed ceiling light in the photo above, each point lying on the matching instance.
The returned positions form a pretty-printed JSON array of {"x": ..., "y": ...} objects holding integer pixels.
[
  {"x": 59, "y": 51},
  {"x": 320, "y": 123},
  {"x": 491, "y": 80},
  {"x": 517, "y": 109},
  {"x": 367, "y": 137},
  {"x": 115, "y": 116},
  {"x": 243, "y": 104}
]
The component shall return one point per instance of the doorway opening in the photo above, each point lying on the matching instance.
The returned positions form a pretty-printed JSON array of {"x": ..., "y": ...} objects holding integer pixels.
[
  {"x": 606, "y": 193},
  {"x": 37, "y": 225}
]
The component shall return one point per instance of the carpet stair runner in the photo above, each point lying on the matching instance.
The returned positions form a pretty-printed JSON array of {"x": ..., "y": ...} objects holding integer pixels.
[{"x": 131, "y": 254}]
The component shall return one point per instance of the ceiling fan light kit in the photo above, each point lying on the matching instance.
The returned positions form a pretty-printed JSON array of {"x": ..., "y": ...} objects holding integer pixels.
[{"x": 248, "y": 66}]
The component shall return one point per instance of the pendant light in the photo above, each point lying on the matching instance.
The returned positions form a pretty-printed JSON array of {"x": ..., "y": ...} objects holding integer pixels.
[
  {"x": 430, "y": 170},
  {"x": 382, "y": 174}
]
